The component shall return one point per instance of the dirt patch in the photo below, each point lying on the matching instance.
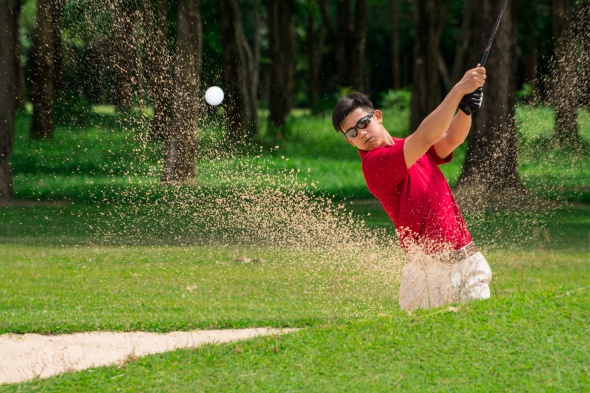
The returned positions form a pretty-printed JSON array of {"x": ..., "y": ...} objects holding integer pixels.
[{"x": 31, "y": 356}]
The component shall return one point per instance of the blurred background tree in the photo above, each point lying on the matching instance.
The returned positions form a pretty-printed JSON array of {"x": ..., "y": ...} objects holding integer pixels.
[{"x": 272, "y": 56}]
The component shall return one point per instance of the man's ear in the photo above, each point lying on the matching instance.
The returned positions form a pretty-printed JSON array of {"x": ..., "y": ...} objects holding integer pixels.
[{"x": 378, "y": 115}]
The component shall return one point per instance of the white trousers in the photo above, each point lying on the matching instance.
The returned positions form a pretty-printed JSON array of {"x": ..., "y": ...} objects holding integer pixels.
[{"x": 426, "y": 282}]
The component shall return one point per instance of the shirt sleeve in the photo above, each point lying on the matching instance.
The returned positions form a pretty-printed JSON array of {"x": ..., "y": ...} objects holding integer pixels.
[
  {"x": 438, "y": 160},
  {"x": 384, "y": 168}
]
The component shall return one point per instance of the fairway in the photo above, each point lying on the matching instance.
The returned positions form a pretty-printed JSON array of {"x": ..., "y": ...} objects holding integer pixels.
[{"x": 59, "y": 277}]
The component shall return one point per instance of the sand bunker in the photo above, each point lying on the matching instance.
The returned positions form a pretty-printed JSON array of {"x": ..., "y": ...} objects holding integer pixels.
[{"x": 29, "y": 356}]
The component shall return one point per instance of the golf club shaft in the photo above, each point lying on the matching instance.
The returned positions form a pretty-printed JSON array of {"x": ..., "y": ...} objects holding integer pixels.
[{"x": 491, "y": 40}]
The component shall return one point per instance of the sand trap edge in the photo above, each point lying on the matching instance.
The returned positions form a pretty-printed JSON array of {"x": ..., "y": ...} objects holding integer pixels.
[{"x": 25, "y": 357}]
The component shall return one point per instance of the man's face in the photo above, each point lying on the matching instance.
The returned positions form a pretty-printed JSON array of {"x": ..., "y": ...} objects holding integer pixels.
[{"x": 368, "y": 138}]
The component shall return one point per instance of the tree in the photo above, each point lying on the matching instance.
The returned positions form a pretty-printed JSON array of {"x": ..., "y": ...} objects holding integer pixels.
[
  {"x": 490, "y": 167},
  {"x": 429, "y": 20},
  {"x": 123, "y": 54},
  {"x": 242, "y": 116},
  {"x": 585, "y": 50},
  {"x": 20, "y": 75},
  {"x": 159, "y": 62},
  {"x": 459, "y": 62},
  {"x": 56, "y": 28},
  {"x": 565, "y": 77},
  {"x": 350, "y": 36},
  {"x": 281, "y": 63},
  {"x": 181, "y": 141},
  {"x": 395, "y": 45},
  {"x": 315, "y": 39},
  {"x": 7, "y": 93},
  {"x": 42, "y": 71}
]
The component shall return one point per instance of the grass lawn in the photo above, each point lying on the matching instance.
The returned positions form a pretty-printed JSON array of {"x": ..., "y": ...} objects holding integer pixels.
[
  {"x": 88, "y": 248},
  {"x": 528, "y": 337}
]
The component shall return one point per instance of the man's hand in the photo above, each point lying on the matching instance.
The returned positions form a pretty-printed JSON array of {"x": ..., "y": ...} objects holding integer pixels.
[
  {"x": 472, "y": 80},
  {"x": 472, "y": 101}
]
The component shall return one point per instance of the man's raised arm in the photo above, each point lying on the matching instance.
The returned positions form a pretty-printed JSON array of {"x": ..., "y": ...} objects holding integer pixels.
[{"x": 435, "y": 125}]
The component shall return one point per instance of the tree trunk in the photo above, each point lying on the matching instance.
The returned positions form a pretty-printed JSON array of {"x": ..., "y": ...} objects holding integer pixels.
[
  {"x": 315, "y": 49},
  {"x": 240, "y": 123},
  {"x": 123, "y": 55},
  {"x": 531, "y": 64},
  {"x": 251, "y": 60},
  {"x": 7, "y": 94},
  {"x": 160, "y": 61},
  {"x": 56, "y": 17},
  {"x": 490, "y": 168},
  {"x": 565, "y": 78},
  {"x": 20, "y": 74},
  {"x": 395, "y": 46},
  {"x": 585, "y": 49},
  {"x": 460, "y": 61},
  {"x": 358, "y": 34},
  {"x": 351, "y": 41},
  {"x": 181, "y": 146},
  {"x": 281, "y": 67},
  {"x": 42, "y": 72},
  {"x": 429, "y": 18}
]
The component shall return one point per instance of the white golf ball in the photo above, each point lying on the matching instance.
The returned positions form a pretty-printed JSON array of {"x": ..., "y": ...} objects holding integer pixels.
[{"x": 214, "y": 95}]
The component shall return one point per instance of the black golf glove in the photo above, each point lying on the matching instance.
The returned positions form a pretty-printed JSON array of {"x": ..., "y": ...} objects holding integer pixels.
[{"x": 472, "y": 101}]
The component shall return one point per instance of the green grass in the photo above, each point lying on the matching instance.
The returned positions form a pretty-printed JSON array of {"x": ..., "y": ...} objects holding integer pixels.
[
  {"x": 119, "y": 252},
  {"x": 65, "y": 264},
  {"x": 114, "y": 158},
  {"x": 59, "y": 275},
  {"x": 518, "y": 343}
]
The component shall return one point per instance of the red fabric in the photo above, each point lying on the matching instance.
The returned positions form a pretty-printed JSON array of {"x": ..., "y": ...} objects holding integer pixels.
[{"x": 418, "y": 200}]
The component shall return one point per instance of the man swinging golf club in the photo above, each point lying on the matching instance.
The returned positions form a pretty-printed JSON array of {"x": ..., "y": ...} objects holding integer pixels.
[{"x": 443, "y": 264}]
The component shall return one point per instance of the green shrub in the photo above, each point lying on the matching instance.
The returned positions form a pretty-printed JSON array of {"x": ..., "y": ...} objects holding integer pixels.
[{"x": 396, "y": 99}]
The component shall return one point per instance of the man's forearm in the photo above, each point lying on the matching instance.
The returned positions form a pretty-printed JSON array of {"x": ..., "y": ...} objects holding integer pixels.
[
  {"x": 459, "y": 128},
  {"x": 435, "y": 125}
]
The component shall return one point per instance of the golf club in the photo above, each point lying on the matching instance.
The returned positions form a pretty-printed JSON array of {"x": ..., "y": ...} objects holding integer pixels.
[{"x": 491, "y": 40}]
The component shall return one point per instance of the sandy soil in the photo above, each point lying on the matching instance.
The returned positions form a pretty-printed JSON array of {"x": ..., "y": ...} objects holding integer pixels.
[{"x": 29, "y": 356}]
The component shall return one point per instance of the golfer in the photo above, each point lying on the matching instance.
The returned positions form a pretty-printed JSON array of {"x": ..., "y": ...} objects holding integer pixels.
[{"x": 443, "y": 265}]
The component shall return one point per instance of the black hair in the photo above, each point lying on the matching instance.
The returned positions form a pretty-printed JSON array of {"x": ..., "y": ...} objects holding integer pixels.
[{"x": 347, "y": 105}]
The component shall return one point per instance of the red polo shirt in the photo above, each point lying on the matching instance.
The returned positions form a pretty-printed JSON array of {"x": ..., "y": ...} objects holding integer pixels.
[{"x": 418, "y": 200}]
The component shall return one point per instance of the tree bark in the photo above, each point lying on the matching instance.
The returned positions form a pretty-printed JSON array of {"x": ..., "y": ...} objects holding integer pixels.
[
  {"x": 240, "y": 122},
  {"x": 429, "y": 18},
  {"x": 460, "y": 61},
  {"x": 251, "y": 60},
  {"x": 20, "y": 74},
  {"x": 56, "y": 18},
  {"x": 350, "y": 33},
  {"x": 315, "y": 49},
  {"x": 531, "y": 61},
  {"x": 490, "y": 168},
  {"x": 281, "y": 67},
  {"x": 7, "y": 94},
  {"x": 565, "y": 77},
  {"x": 161, "y": 83},
  {"x": 585, "y": 49},
  {"x": 42, "y": 72},
  {"x": 181, "y": 146},
  {"x": 395, "y": 46},
  {"x": 123, "y": 55}
]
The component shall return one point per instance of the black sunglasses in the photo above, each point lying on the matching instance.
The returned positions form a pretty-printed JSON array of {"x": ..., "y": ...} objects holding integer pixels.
[{"x": 361, "y": 125}]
